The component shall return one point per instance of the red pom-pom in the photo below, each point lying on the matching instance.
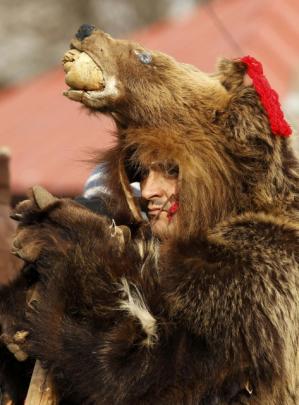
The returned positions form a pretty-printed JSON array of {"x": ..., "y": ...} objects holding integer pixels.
[
  {"x": 172, "y": 210},
  {"x": 269, "y": 97}
]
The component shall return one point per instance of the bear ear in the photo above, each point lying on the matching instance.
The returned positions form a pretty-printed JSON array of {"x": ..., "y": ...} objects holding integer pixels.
[
  {"x": 42, "y": 197},
  {"x": 232, "y": 74},
  {"x": 238, "y": 74}
]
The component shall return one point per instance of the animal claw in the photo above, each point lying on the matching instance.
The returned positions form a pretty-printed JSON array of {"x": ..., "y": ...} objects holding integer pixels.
[
  {"x": 16, "y": 216},
  {"x": 13, "y": 344},
  {"x": 248, "y": 388},
  {"x": 20, "y": 336},
  {"x": 18, "y": 252}
]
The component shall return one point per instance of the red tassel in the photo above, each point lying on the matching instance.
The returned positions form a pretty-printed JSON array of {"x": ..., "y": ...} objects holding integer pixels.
[
  {"x": 172, "y": 210},
  {"x": 269, "y": 97}
]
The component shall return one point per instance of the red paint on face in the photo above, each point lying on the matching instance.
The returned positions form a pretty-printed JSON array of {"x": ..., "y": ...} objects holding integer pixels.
[{"x": 160, "y": 189}]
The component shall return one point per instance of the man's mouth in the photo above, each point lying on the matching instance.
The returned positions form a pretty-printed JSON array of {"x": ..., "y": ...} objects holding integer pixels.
[
  {"x": 170, "y": 207},
  {"x": 154, "y": 212}
]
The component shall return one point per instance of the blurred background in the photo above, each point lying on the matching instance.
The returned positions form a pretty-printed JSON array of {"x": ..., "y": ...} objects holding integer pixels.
[{"x": 50, "y": 136}]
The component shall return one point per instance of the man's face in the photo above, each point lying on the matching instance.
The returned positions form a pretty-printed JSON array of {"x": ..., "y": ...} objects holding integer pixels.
[{"x": 159, "y": 189}]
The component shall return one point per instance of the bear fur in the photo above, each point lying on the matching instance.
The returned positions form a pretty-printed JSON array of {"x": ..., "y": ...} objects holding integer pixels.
[{"x": 209, "y": 315}]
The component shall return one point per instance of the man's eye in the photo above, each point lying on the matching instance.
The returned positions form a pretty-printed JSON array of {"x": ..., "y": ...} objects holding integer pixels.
[
  {"x": 144, "y": 57},
  {"x": 172, "y": 171},
  {"x": 143, "y": 174}
]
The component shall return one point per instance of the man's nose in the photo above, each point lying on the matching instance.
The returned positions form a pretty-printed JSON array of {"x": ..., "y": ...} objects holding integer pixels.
[{"x": 150, "y": 187}]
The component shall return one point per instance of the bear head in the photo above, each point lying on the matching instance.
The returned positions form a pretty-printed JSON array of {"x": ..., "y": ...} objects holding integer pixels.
[{"x": 213, "y": 127}]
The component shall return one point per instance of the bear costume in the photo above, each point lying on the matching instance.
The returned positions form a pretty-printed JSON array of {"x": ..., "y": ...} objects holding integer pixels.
[{"x": 210, "y": 315}]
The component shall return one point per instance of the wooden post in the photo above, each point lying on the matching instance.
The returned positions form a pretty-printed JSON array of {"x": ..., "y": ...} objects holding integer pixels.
[
  {"x": 10, "y": 265},
  {"x": 41, "y": 390}
]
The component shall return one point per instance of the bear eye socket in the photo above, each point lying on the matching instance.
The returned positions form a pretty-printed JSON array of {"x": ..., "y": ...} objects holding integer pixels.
[{"x": 144, "y": 57}]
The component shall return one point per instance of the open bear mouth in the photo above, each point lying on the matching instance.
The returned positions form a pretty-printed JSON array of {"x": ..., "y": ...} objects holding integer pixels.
[
  {"x": 82, "y": 74},
  {"x": 90, "y": 97}
]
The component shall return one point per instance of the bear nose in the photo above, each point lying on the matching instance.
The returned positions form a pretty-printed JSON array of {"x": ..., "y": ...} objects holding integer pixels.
[{"x": 84, "y": 31}]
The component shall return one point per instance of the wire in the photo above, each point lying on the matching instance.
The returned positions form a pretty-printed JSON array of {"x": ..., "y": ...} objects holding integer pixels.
[{"x": 222, "y": 28}]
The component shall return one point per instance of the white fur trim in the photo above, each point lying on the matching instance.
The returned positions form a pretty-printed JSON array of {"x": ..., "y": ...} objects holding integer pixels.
[{"x": 134, "y": 304}]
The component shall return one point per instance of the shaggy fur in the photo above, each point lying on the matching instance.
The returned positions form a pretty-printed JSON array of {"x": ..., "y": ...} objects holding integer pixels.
[{"x": 208, "y": 316}]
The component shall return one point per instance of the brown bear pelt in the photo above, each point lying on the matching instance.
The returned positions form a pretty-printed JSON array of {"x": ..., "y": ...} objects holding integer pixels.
[{"x": 209, "y": 315}]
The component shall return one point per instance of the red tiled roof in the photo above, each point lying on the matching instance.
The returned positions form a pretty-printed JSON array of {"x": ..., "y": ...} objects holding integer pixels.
[{"x": 50, "y": 136}]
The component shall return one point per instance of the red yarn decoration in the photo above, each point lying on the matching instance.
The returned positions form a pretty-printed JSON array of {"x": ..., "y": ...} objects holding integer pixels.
[
  {"x": 172, "y": 210},
  {"x": 269, "y": 97}
]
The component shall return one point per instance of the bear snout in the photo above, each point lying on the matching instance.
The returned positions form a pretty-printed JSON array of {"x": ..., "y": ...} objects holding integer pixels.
[{"x": 84, "y": 31}]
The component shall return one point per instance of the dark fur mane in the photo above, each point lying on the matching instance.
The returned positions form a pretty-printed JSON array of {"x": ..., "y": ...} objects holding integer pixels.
[{"x": 227, "y": 177}]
